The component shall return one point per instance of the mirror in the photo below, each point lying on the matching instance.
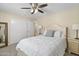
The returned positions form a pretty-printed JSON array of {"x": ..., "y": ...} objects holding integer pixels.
[{"x": 3, "y": 34}]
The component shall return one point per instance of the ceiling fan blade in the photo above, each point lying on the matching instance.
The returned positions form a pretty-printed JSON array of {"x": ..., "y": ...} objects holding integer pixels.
[
  {"x": 43, "y": 5},
  {"x": 40, "y": 11},
  {"x": 25, "y": 8}
]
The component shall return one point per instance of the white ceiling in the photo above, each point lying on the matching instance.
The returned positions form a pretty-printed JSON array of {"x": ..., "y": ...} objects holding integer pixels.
[{"x": 14, "y": 8}]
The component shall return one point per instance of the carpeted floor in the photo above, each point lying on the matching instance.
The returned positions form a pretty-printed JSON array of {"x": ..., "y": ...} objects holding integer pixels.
[
  {"x": 11, "y": 51},
  {"x": 8, "y": 51}
]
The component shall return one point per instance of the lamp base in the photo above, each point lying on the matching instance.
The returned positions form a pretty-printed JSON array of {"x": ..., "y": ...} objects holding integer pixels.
[{"x": 77, "y": 38}]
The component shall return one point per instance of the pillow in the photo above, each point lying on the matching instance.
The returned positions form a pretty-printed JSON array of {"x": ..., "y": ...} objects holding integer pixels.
[
  {"x": 49, "y": 33},
  {"x": 58, "y": 34}
]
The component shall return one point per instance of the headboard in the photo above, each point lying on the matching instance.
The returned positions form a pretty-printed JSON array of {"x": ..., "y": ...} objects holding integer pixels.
[{"x": 61, "y": 28}]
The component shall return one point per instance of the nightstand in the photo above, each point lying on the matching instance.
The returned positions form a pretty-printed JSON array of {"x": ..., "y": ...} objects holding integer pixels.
[{"x": 73, "y": 46}]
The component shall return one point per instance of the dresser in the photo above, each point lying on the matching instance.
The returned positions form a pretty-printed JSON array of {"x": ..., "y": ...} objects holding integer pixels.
[{"x": 73, "y": 46}]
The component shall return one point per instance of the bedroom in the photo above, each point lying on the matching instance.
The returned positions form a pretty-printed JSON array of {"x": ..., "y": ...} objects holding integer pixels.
[{"x": 23, "y": 25}]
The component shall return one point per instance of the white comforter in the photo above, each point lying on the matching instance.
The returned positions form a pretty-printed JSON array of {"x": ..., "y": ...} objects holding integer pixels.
[{"x": 42, "y": 46}]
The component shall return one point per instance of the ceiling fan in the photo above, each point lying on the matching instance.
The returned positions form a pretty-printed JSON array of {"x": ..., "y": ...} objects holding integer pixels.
[{"x": 35, "y": 8}]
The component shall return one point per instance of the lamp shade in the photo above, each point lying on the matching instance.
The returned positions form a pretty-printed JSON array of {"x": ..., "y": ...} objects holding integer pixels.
[{"x": 75, "y": 27}]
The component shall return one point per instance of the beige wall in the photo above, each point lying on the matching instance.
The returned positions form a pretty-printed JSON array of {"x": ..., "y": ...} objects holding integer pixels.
[
  {"x": 12, "y": 19},
  {"x": 65, "y": 18}
]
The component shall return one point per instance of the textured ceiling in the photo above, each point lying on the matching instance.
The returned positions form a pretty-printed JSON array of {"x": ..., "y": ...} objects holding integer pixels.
[{"x": 14, "y": 8}]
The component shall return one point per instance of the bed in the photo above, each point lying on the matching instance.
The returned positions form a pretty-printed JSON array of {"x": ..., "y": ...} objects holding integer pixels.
[{"x": 42, "y": 45}]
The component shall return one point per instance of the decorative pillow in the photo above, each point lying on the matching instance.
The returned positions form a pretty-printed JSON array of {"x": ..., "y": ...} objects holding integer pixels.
[
  {"x": 49, "y": 33},
  {"x": 58, "y": 34}
]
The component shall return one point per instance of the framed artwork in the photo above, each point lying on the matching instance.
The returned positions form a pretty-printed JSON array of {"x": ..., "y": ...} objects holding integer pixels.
[{"x": 3, "y": 34}]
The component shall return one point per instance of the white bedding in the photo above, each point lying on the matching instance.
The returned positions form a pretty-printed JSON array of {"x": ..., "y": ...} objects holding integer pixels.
[{"x": 42, "y": 46}]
